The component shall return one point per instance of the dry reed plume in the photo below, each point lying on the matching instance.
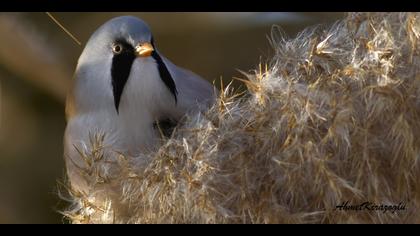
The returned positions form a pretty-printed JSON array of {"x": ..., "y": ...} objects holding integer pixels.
[{"x": 334, "y": 117}]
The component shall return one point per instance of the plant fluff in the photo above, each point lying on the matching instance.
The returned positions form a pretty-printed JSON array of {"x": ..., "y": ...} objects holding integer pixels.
[{"x": 333, "y": 118}]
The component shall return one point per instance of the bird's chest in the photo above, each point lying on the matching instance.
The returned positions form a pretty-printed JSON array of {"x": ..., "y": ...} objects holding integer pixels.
[
  {"x": 144, "y": 100},
  {"x": 129, "y": 134}
]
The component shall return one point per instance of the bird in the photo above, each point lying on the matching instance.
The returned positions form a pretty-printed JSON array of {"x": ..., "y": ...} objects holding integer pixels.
[{"x": 123, "y": 87}]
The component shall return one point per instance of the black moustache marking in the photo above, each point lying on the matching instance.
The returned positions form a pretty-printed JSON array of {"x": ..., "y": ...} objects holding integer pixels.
[
  {"x": 164, "y": 73},
  {"x": 120, "y": 70}
]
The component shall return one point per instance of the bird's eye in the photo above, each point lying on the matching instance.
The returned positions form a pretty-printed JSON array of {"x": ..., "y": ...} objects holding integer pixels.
[{"x": 117, "y": 48}]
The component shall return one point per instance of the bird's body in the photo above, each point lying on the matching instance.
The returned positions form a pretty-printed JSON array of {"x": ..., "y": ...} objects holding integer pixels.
[{"x": 122, "y": 86}]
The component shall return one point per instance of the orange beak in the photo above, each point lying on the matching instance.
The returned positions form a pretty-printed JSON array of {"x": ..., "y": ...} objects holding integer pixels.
[{"x": 144, "y": 49}]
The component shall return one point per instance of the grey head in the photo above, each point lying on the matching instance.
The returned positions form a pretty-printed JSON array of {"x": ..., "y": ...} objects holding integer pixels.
[{"x": 109, "y": 55}]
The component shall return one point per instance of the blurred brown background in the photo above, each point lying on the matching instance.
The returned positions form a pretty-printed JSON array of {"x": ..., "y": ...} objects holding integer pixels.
[{"x": 37, "y": 59}]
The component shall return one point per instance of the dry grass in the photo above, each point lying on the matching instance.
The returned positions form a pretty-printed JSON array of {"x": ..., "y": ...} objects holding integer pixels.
[{"x": 334, "y": 118}]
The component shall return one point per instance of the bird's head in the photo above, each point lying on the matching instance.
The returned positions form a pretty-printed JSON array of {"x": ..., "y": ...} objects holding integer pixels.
[{"x": 107, "y": 60}]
